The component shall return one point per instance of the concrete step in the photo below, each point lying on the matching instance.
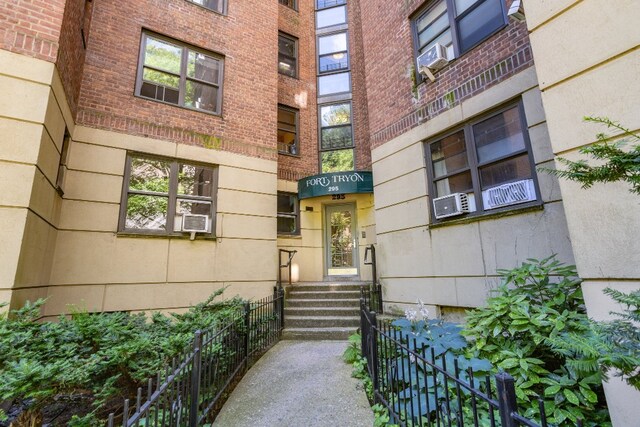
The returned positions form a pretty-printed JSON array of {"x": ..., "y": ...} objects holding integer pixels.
[
  {"x": 325, "y": 287},
  {"x": 326, "y": 302},
  {"x": 321, "y": 311},
  {"x": 324, "y": 295},
  {"x": 317, "y": 334},
  {"x": 322, "y": 322}
]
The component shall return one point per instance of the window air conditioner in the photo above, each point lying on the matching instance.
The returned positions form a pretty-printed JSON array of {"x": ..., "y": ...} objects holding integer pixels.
[
  {"x": 451, "y": 205},
  {"x": 509, "y": 194},
  {"x": 195, "y": 223},
  {"x": 433, "y": 59}
]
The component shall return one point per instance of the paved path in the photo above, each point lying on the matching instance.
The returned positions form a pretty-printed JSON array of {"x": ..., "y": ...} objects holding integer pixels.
[{"x": 298, "y": 384}]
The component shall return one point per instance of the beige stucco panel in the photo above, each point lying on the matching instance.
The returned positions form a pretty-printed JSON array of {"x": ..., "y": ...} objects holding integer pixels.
[
  {"x": 604, "y": 222},
  {"x": 192, "y": 261},
  {"x": 540, "y": 143},
  {"x": 398, "y": 190},
  {"x": 20, "y": 141},
  {"x": 533, "y": 108},
  {"x": 247, "y": 226},
  {"x": 225, "y": 158},
  {"x": 25, "y": 67},
  {"x": 48, "y": 158},
  {"x": 5, "y": 298},
  {"x": 595, "y": 93},
  {"x": 242, "y": 202},
  {"x": 432, "y": 291},
  {"x": 89, "y": 216},
  {"x": 410, "y": 214},
  {"x": 310, "y": 219},
  {"x": 17, "y": 180},
  {"x": 247, "y": 180},
  {"x": 23, "y": 100},
  {"x": 474, "y": 291},
  {"x": 539, "y": 11},
  {"x": 61, "y": 98},
  {"x": 560, "y": 54},
  {"x": 405, "y": 253},
  {"x": 36, "y": 255},
  {"x": 45, "y": 200},
  {"x": 54, "y": 121},
  {"x": 457, "y": 250},
  {"x": 310, "y": 263},
  {"x": 157, "y": 296},
  {"x": 249, "y": 290},
  {"x": 93, "y": 187},
  {"x": 123, "y": 141},
  {"x": 66, "y": 299},
  {"x": 398, "y": 164},
  {"x": 509, "y": 241},
  {"x": 549, "y": 186},
  {"x": 140, "y": 260},
  {"x": 83, "y": 258},
  {"x": 96, "y": 158},
  {"x": 21, "y": 296},
  {"x": 11, "y": 233}
]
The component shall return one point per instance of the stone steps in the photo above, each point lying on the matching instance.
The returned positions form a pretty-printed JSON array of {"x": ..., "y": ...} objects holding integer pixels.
[{"x": 322, "y": 310}]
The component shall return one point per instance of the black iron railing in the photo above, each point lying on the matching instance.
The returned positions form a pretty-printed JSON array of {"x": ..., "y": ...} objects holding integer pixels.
[
  {"x": 419, "y": 388},
  {"x": 286, "y": 264},
  {"x": 373, "y": 294},
  {"x": 193, "y": 388}
]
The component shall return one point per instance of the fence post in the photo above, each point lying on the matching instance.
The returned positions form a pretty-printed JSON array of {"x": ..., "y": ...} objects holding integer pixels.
[
  {"x": 373, "y": 342},
  {"x": 247, "y": 332},
  {"x": 506, "y": 399},
  {"x": 195, "y": 379},
  {"x": 363, "y": 327}
]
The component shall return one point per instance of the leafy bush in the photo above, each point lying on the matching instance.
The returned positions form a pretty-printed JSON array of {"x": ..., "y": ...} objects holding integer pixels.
[
  {"x": 538, "y": 304},
  {"x": 97, "y": 358}
]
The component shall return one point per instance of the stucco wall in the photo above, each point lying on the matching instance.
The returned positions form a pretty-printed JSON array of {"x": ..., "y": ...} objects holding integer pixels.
[
  {"x": 588, "y": 60},
  {"x": 455, "y": 264}
]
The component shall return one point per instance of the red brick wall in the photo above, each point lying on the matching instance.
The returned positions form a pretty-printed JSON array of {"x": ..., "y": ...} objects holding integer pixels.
[
  {"x": 31, "y": 27},
  {"x": 388, "y": 51},
  {"x": 358, "y": 87},
  {"x": 71, "y": 54},
  {"x": 247, "y": 37},
  {"x": 300, "y": 92}
]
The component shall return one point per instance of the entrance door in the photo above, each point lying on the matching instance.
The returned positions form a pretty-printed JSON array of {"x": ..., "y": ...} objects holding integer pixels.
[{"x": 341, "y": 245}]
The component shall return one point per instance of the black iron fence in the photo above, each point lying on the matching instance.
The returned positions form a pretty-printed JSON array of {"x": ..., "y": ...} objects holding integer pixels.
[
  {"x": 193, "y": 387},
  {"x": 419, "y": 388},
  {"x": 373, "y": 294}
]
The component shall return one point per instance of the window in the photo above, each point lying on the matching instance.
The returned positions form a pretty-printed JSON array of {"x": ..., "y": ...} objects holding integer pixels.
[
  {"x": 481, "y": 159},
  {"x": 331, "y": 17},
  {"x": 287, "y": 55},
  {"x": 459, "y": 25},
  {"x": 333, "y": 54},
  {"x": 215, "y": 5},
  {"x": 334, "y": 83},
  {"x": 290, "y": 3},
  {"x": 158, "y": 192},
  {"x": 336, "y": 138},
  {"x": 288, "y": 214},
  {"x": 177, "y": 74},
  {"x": 323, "y": 4},
  {"x": 287, "y": 130}
]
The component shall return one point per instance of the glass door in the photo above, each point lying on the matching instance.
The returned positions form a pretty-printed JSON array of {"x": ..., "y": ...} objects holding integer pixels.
[{"x": 341, "y": 243}]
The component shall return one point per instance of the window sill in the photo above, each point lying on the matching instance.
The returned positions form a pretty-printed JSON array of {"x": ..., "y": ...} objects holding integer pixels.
[
  {"x": 289, "y": 236},
  {"x": 505, "y": 212},
  {"x": 209, "y": 113},
  {"x": 179, "y": 236}
]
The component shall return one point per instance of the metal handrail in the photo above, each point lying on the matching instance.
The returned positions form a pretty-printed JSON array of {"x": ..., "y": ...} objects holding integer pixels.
[
  {"x": 285, "y": 265},
  {"x": 375, "y": 293}
]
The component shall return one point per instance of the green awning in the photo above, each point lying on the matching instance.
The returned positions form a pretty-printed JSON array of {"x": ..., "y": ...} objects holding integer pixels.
[{"x": 335, "y": 183}]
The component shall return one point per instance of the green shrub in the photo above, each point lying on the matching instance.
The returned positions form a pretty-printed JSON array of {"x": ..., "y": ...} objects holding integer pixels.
[
  {"x": 537, "y": 304},
  {"x": 103, "y": 357}
]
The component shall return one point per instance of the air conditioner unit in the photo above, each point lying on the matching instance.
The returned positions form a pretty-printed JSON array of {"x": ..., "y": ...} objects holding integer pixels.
[
  {"x": 195, "y": 223},
  {"x": 516, "y": 11},
  {"x": 433, "y": 59},
  {"x": 451, "y": 205},
  {"x": 509, "y": 194}
]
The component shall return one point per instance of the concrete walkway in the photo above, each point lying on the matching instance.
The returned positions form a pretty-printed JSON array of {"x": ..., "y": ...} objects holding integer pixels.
[{"x": 298, "y": 384}]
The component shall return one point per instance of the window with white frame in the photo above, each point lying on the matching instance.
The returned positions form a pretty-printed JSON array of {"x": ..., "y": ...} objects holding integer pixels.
[
  {"x": 159, "y": 192},
  {"x": 489, "y": 160},
  {"x": 174, "y": 73}
]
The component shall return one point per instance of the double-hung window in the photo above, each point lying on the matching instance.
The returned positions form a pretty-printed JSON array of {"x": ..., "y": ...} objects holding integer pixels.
[
  {"x": 215, "y": 5},
  {"x": 458, "y": 25},
  {"x": 178, "y": 74},
  {"x": 336, "y": 138},
  {"x": 489, "y": 160},
  {"x": 159, "y": 193},
  {"x": 288, "y": 214},
  {"x": 287, "y": 130},
  {"x": 333, "y": 53},
  {"x": 287, "y": 55}
]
